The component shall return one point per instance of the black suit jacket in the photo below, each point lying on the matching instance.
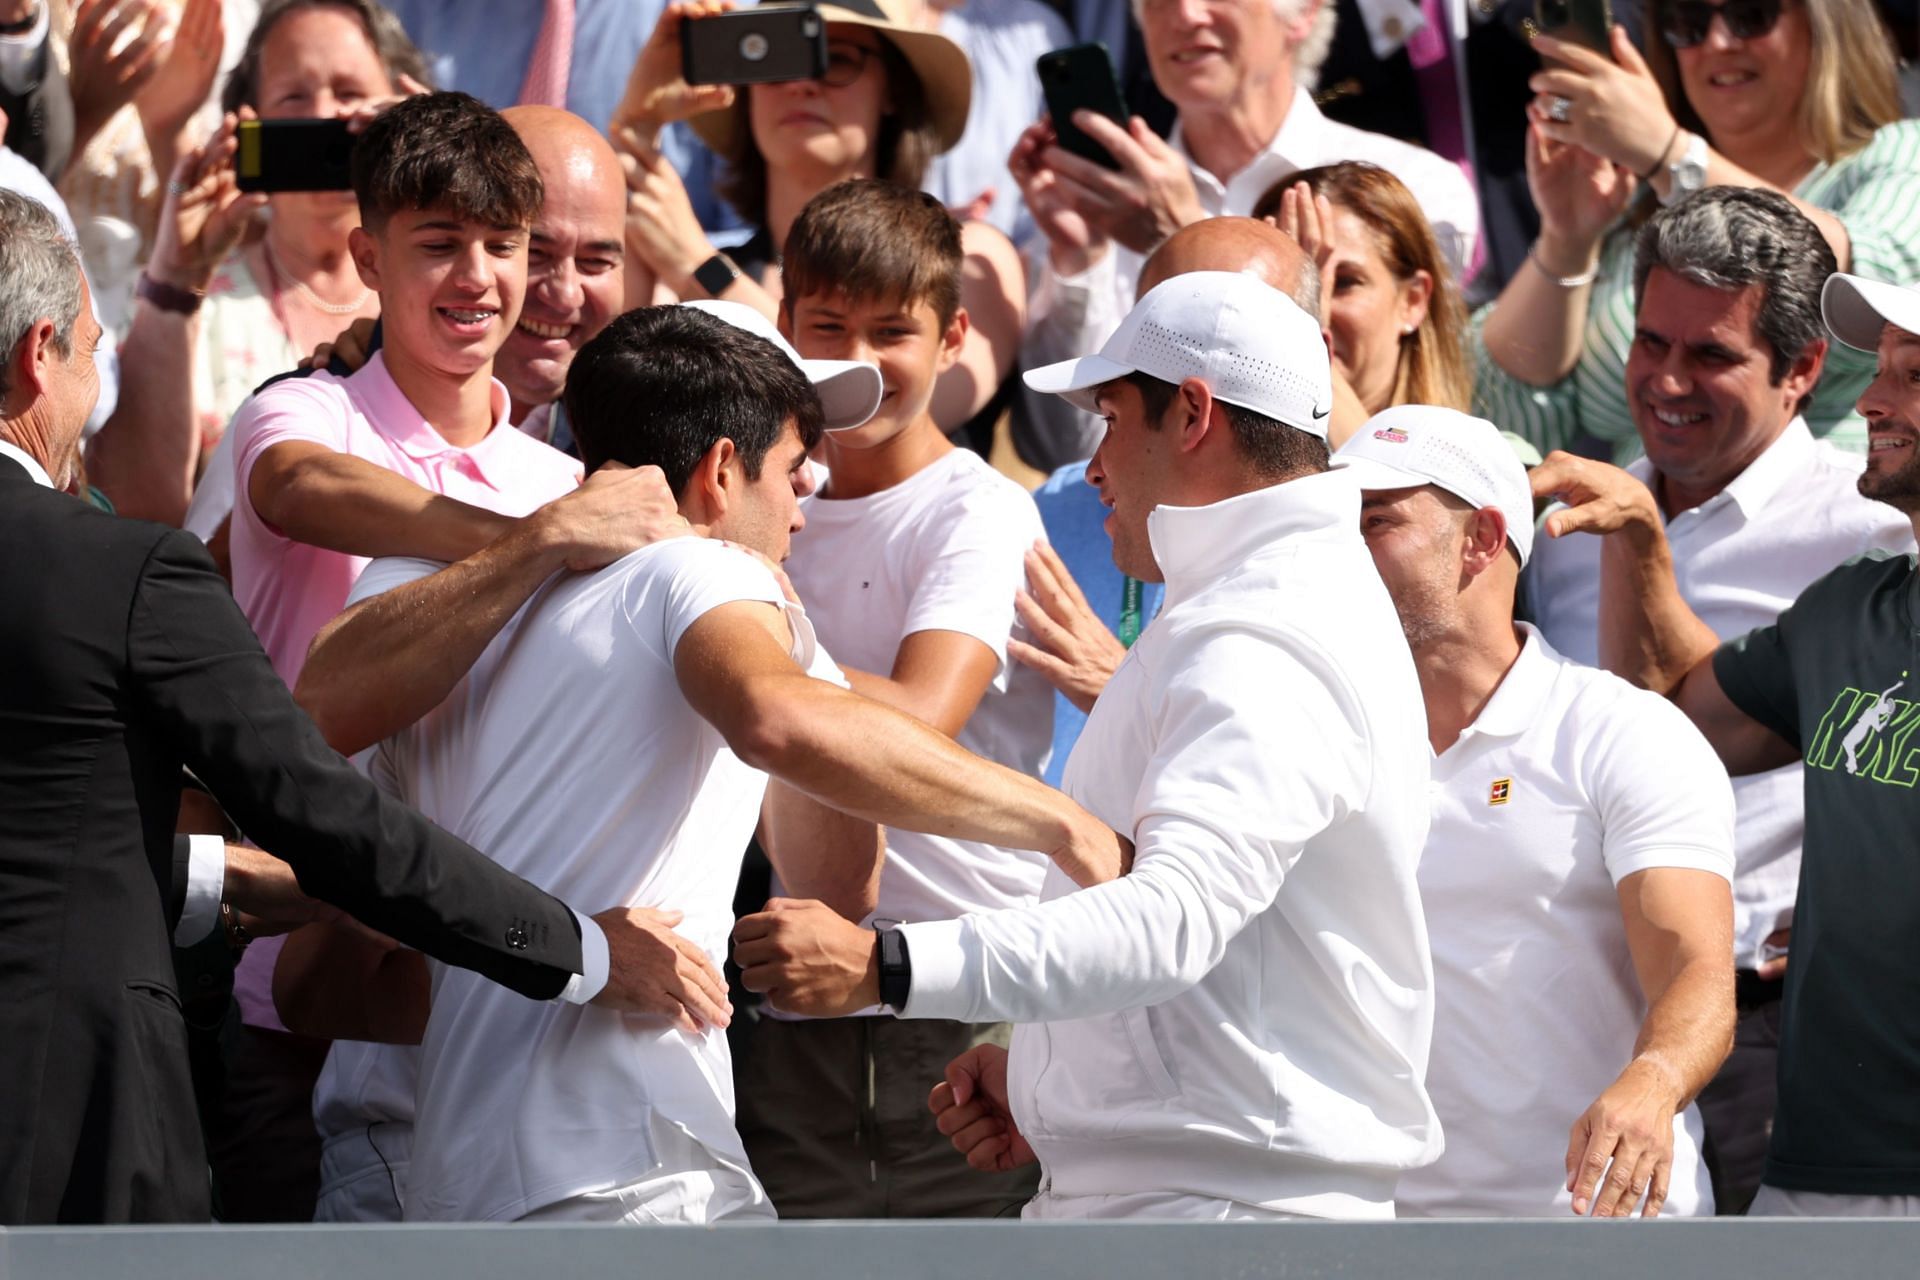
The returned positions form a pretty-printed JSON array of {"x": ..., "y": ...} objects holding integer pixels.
[{"x": 122, "y": 658}]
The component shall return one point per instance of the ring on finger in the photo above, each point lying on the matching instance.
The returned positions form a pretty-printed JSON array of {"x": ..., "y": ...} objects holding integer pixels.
[{"x": 1559, "y": 109}]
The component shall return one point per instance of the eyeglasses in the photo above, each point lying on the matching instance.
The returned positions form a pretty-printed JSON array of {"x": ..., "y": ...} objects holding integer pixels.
[
  {"x": 1684, "y": 24},
  {"x": 846, "y": 62}
]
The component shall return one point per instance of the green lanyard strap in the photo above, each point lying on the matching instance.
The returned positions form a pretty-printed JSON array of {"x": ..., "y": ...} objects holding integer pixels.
[{"x": 1130, "y": 612}]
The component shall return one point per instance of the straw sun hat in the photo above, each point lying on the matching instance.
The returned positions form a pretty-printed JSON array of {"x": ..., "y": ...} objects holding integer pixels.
[{"x": 945, "y": 76}]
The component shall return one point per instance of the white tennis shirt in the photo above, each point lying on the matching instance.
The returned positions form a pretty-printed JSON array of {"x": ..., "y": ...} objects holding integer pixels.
[
  {"x": 577, "y": 763},
  {"x": 1569, "y": 781}
]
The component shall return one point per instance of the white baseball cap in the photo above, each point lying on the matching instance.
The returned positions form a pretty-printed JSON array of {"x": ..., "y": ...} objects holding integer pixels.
[
  {"x": 850, "y": 390},
  {"x": 1251, "y": 344},
  {"x": 1857, "y": 309},
  {"x": 1411, "y": 445}
]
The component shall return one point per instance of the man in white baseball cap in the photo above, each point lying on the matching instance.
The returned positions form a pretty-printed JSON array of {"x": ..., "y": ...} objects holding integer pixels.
[
  {"x": 1577, "y": 875},
  {"x": 1238, "y": 1027}
]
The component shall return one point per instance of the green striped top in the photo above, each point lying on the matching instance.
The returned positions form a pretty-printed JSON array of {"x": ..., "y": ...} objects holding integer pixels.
[{"x": 1876, "y": 194}]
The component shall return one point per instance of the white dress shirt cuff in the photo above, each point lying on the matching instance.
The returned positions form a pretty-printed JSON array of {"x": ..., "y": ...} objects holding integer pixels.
[
  {"x": 592, "y": 978},
  {"x": 22, "y": 62},
  {"x": 206, "y": 881},
  {"x": 937, "y": 950}
]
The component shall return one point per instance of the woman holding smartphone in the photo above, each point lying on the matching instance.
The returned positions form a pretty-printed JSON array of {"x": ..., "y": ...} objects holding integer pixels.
[
  {"x": 893, "y": 96},
  {"x": 1796, "y": 96}
]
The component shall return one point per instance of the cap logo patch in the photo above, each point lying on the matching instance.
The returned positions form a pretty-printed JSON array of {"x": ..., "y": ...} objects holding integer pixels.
[
  {"x": 1392, "y": 435},
  {"x": 1501, "y": 791}
]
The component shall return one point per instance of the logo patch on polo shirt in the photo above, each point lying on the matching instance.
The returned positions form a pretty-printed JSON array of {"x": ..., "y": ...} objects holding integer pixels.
[
  {"x": 1501, "y": 791},
  {"x": 1392, "y": 435}
]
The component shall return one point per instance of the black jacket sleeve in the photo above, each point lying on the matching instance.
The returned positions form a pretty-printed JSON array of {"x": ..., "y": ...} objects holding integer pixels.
[
  {"x": 198, "y": 671},
  {"x": 40, "y": 121}
]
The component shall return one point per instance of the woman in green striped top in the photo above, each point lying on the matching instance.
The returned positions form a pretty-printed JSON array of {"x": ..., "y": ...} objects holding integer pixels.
[{"x": 1798, "y": 97}]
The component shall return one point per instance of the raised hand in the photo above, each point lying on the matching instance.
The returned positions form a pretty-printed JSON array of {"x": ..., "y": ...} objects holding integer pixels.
[
  {"x": 184, "y": 80},
  {"x": 102, "y": 78},
  {"x": 1148, "y": 198},
  {"x": 970, "y": 1108},
  {"x": 1308, "y": 218},
  {"x": 1071, "y": 646},
  {"x": 204, "y": 213},
  {"x": 663, "y": 232},
  {"x": 653, "y": 970},
  {"x": 657, "y": 93},
  {"x": 1073, "y": 243},
  {"x": 1614, "y": 105}
]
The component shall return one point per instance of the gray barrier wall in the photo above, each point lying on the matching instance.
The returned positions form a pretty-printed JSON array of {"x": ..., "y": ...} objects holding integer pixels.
[{"x": 1673, "y": 1250}]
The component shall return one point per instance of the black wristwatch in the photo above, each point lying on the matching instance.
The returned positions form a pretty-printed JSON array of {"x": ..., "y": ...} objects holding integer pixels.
[
  {"x": 716, "y": 275},
  {"x": 896, "y": 970}
]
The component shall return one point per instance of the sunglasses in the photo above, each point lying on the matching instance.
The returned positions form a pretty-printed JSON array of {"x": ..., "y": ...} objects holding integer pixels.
[{"x": 1684, "y": 23}]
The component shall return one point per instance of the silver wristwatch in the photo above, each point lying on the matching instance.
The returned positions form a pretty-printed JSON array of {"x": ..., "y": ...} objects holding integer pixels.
[{"x": 1687, "y": 174}]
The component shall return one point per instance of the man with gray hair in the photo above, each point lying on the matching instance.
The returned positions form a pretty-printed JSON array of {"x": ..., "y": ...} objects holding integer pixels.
[
  {"x": 1239, "y": 71},
  {"x": 126, "y": 660},
  {"x": 1727, "y": 348}
]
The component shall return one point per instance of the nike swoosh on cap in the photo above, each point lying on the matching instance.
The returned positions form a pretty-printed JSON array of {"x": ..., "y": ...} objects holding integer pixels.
[{"x": 1321, "y": 413}]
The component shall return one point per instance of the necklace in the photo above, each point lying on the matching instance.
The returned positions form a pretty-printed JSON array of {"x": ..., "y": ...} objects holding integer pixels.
[{"x": 319, "y": 303}]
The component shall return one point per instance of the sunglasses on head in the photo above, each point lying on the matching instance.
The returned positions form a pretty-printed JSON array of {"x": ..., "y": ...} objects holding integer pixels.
[{"x": 1684, "y": 23}]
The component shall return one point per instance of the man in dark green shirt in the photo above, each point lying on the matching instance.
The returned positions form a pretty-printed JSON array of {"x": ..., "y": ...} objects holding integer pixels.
[{"x": 1834, "y": 684}]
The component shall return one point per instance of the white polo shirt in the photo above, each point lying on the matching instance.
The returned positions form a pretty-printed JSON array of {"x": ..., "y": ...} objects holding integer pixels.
[
  {"x": 943, "y": 550},
  {"x": 1740, "y": 557},
  {"x": 577, "y": 763},
  {"x": 1245, "y": 1015},
  {"x": 1569, "y": 781}
]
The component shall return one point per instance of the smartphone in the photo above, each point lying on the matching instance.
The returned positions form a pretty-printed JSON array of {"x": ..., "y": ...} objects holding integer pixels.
[
  {"x": 765, "y": 44},
  {"x": 294, "y": 155},
  {"x": 1080, "y": 77},
  {"x": 1588, "y": 23}
]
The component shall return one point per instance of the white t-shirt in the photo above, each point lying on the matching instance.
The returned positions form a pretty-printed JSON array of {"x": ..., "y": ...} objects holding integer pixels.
[
  {"x": 1569, "y": 781},
  {"x": 577, "y": 763},
  {"x": 1739, "y": 558},
  {"x": 943, "y": 550}
]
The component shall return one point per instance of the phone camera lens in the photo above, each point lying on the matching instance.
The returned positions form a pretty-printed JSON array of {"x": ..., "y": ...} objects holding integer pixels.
[{"x": 753, "y": 46}]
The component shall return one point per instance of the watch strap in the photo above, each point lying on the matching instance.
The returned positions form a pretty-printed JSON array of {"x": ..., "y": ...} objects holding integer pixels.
[
  {"x": 168, "y": 297},
  {"x": 896, "y": 969},
  {"x": 716, "y": 275}
]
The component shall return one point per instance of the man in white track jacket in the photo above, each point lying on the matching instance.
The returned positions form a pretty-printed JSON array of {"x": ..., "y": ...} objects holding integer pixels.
[{"x": 1238, "y": 1027}]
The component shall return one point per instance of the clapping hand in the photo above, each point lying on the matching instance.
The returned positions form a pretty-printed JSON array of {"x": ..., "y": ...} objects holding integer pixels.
[
  {"x": 184, "y": 80},
  {"x": 104, "y": 74},
  {"x": 1308, "y": 218}
]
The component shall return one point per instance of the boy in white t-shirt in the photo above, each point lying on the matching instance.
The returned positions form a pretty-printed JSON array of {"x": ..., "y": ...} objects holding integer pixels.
[{"x": 909, "y": 565}]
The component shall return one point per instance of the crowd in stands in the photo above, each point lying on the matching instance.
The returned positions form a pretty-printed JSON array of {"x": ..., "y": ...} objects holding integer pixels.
[{"x": 683, "y": 652}]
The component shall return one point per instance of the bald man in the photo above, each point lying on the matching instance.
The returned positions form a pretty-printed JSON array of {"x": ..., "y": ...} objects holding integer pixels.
[
  {"x": 575, "y": 264},
  {"x": 1080, "y": 601}
]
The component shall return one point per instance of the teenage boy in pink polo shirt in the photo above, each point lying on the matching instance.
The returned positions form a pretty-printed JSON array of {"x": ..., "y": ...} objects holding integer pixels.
[{"x": 413, "y": 454}]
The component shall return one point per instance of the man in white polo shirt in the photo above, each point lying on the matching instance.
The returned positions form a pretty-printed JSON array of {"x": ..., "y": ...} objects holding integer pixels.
[
  {"x": 1238, "y": 1027},
  {"x": 1576, "y": 877},
  {"x": 623, "y": 741}
]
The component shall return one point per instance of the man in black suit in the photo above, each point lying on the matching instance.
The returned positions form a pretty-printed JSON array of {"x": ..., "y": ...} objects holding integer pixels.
[{"x": 122, "y": 659}]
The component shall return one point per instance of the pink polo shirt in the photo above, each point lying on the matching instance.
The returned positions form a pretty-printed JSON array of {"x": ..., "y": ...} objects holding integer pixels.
[{"x": 288, "y": 589}]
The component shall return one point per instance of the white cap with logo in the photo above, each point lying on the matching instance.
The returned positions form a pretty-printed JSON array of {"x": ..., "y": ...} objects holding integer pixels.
[
  {"x": 1411, "y": 445},
  {"x": 850, "y": 390},
  {"x": 1251, "y": 344},
  {"x": 1856, "y": 309}
]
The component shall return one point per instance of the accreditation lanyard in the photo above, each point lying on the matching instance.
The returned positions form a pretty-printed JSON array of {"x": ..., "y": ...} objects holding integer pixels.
[{"x": 1130, "y": 611}]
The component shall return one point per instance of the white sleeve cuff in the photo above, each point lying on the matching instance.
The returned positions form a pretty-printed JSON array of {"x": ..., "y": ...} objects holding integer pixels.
[
  {"x": 206, "y": 881},
  {"x": 592, "y": 978},
  {"x": 937, "y": 950}
]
